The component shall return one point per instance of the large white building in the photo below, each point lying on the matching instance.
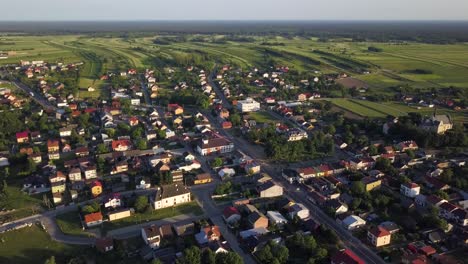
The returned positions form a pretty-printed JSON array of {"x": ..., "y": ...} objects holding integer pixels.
[
  {"x": 410, "y": 189},
  {"x": 248, "y": 105},
  {"x": 217, "y": 145},
  {"x": 171, "y": 195}
]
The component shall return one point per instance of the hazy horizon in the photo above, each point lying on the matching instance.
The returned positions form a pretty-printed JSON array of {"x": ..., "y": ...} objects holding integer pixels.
[{"x": 241, "y": 10}]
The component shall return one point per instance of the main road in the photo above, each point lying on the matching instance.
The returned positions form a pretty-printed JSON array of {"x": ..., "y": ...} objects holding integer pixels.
[{"x": 300, "y": 195}]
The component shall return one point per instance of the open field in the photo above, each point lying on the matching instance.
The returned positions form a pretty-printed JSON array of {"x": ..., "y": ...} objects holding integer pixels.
[
  {"x": 446, "y": 65},
  {"x": 70, "y": 224},
  {"x": 152, "y": 215},
  {"x": 370, "y": 109},
  {"x": 32, "y": 245},
  {"x": 263, "y": 117}
]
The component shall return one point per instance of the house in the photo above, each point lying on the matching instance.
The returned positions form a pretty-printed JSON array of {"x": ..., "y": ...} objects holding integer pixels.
[
  {"x": 248, "y": 105},
  {"x": 121, "y": 145},
  {"x": 346, "y": 257},
  {"x": 151, "y": 236},
  {"x": 93, "y": 219},
  {"x": 379, "y": 236},
  {"x": 133, "y": 121},
  {"x": 407, "y": 145},
  {"x": 217, "y": 145},
  {"x": 188, "y": 157},
  {"x": 307, "y": 172},
  {"x": 460, "y": 216},
  {"x": 337, "y": 206},
  {"x": 371, "y": 183},
  {"x": 208, "y": 234},
  {"x": 291, "y": 175},
  {"x": 4, "y": 161},
  {"x": 96, "y": 188},
  {"x": 112, "y": 201},
  {"x": 171, "y": 195},
  {"x": 57, "y": 182},
  {"x": 446, "y": 210},
  {"x": 391, "y": 227},
  {"x": 120, "y": 167},
  {"x": 226, "y": 125},
  {"x": 175, "y": 109},
  {"x": 74, "y": 174},
  {"x": 437, "y": 123},
  {"x": 231, "y": 215},
  {"x": 90, "y": 172},
  {"x": 296, "y": 135},
  {"x": 410, "y": 189},
  {"x": 53, "y": 145},
  {"x": 252, "y": 168},
  {"x": 353, "y": 222},
  {"x": 269, "y": 189},
  {"x": 104, "y": 244},
  {"x": 298, "y": 210},
  {"x": 224, "y": 113},
  {"x": 65, "y": 132},
  {"x": 119, "y": 214},
  {"x": 257, "y": 220},
  {"x": 276, "y": 218},
  {"x": 202, "y": 178},
  {"x": 226, "y": 172},
  {"x": 184, "y": 229},
  {"x": 22, "y": 137}
]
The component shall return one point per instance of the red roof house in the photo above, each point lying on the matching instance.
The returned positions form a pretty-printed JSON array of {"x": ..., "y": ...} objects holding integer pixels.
[{"x": 346, "y": 257}]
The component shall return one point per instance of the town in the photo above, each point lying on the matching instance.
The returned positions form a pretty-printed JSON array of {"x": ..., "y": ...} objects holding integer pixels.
[{"x": 227, "y": 164}]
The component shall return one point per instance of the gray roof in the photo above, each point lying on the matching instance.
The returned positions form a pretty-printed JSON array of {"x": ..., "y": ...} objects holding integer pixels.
[{"x": 171, "y": 190}]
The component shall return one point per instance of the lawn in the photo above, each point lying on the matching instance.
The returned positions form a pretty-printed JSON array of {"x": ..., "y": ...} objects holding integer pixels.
[
  {"x": 70, "y": 224},
  {"x": 263, "y": 117},
  {"x": 152, "y": 215},
  {"x": 21, "y": 203},
  {"x": 33, "y": 245},
  {"x": 358, "y": 109}
]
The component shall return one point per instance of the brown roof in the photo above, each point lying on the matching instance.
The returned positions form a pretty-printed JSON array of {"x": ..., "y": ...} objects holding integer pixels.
[
  {"x": 214, "y": 142},
  {"x": 203, "y": 176},
  {"x": 152, "y": 231},
  {"x": 379, "y": 231},
  {"x": 103, "y": 243}
]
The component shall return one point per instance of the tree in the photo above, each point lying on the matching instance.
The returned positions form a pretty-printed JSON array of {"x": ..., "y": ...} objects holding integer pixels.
[
  {"x": 235, "y": 119},
  {"x": 192, "y": 255},
  {"x": 372, "y": 150},
  {"x": 217, "y": 162},
  {"x": 101, "y": 148},
  {"x": 141, "y": 144},
  {"x": 208, "y": 257},
  {"x": 50, "y": 260},
  {"x": 358, "y": 188},
  {"x": 141, "y": 203},
  {"x": 228, "y": 258},
  {"x": 156, "y": 261}
]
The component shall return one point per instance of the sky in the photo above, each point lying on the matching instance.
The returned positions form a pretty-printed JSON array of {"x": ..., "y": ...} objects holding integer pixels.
[{"x": 33, "y": 10}]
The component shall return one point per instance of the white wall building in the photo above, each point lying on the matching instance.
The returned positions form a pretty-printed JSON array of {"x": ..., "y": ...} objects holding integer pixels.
[
  {"x": 248, "y": 105},
  {"x": 171, "y": 195}
]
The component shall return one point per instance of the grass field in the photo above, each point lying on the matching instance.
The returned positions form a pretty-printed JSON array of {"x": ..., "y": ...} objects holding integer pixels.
[
  {"x": 70, "y": 224},
  {"x": 263, "y": 117},
  {"x": 32, "y": 245},
  {"x": 188, "y": 208}
]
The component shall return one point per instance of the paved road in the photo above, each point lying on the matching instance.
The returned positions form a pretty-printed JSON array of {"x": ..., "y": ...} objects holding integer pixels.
[
  {"x": 216, "y": 89},
  {"x": 300, "y": 195},
  {"x": 36, "y": 96}
]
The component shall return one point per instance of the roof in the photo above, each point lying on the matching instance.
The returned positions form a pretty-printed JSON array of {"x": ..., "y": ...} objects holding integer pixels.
[
  {"x": 379, "y": 231},
  {"x": 214, "y": 142},
  {"x": 428, "y": 250},
  {"x": 460, "y": 213},
  {"x": 212, "y": 230},
  {"x": 447, "y": 207},
  {"x": 276, "y": 216},
  {"x": 151, "y": 231},
  {"x": 346, "y": 257},
  {"x": 123, "y": 142},
  {"x": 171, "y": 190},
  {"x": 265, "y": 186},
  {"x": 306, "y": 171},
  {"x": 23, "y": 134},
  {"x": 411, "y": 185},
  {"x": 93, "y": 217},
  {"x": 230, "y": 210},
  {"x": 352, "y": 219},
  {"x": 105, "y": 242},
  {"x": 203, "y": 176},
  {"x": 255, "y": 216},
  {"x": 96, "y": 183}
]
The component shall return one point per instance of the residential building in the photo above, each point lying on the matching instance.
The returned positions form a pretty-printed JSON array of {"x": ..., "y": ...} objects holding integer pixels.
[
  {"x": 74, "y": 174},
  {"x": 208, "y": 234},
  {"x": 346, "y": 257},
  {"x": 184, "y": 229},
  {"x": 90, "y": 172},
  {"x": 276, "y": 218},
  {"x": 217, "y": 145},
  {"x": 248, "y": 105},
  {"x": 22, "y": 137},
  {"x": 96, "y": 188},
  {"x": 269, "y": 189},
  {"x": 298, "y": 210},
  {"x": 104, "y": 244},
  {"x": 410, "y": 189},
  {"x": 257, "y": 220},
  {"x": 121, "y": 145},
  {"x": 171, "y": 195},
  {"x": 53, "y": 145},
  {"x": 151, "y": 236},
  {"x": 353, "y": 222},
  {"x": 371, "y": 183},
  {"x": 202, "y": 178},
  {"x": 93, "y": 219},
  {"x": 112, "y": 201},
  {"x": 379, "y": 236},
  {"x": 437, "y": 123},
  {"x": 231, "y": 215}
]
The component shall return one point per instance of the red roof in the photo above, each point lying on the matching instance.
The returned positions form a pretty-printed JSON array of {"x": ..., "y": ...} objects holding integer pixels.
[
  {"x": 411, "y": 185},
  {"x": 96, "y": 183},
  {"x": 23, "y": 134},
  {"x": 93, "y": 217},
  {"x": 306, "y": 171},
  {"x": 346, "y": 257},
  {"x": 230, "y": 210},
  {"x": 379, "y": 232},
  {"x": 428, "y": 250},
  {"x": 123, "y": 142}
]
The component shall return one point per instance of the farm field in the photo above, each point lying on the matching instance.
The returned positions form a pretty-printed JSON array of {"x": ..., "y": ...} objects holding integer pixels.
[
  {"x": 370, "y": 109},
  {"x": 32, "y": 245}
]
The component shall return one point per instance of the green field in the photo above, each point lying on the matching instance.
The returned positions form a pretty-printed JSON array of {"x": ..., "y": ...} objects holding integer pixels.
[
  {"x": 153, "y": 215},
  {"x": 70, "y": 224},
  {"x": 32, "y": 245},
  {"x": 263, "y": 117}
]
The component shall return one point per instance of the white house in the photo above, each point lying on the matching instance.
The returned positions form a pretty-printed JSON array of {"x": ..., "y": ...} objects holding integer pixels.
[
  {"x": 298, "y": 210},
  {"x": 113, "y": 201},
  {"x": 410, "y": 189},
  {"x": 276, "y": 218},
  {"x": 151, "y": 236},
  {"x": 353, "y": 222},
  {"x": 248, "y": 105},
  {"x": 226, "y": 172},
  {"x": 171, "y": 195}
]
